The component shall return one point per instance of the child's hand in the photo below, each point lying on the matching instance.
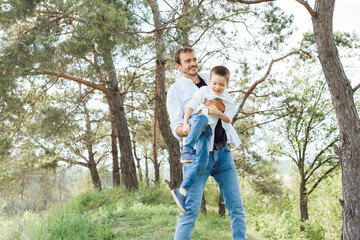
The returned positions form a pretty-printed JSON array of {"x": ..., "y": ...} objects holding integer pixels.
[
  {"x": 213, "y": 110},
  {"x": 217, "y": 102},
  {"x": 186, "y": 129}
]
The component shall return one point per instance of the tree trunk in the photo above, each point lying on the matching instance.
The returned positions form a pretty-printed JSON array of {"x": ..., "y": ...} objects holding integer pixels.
[
  {"x": 203, "y": 204},
  {"x": 114, "y": 150},
  {"x": 94, "y": 173},
  {"x": 222, "y": 209},
  {"x": 89, "y": 146},
  {"x": 160, "y": 105},
  {"x": 183, "y": 27},
  {"x": 346, "y": 114},
  {"x": 155, "y": 159},
  {"x": 127, "y": 163},
  {"x": 146, "y": 169},
  {"x": 303, "y": 202},
  {"x": 137, "y": 162}
]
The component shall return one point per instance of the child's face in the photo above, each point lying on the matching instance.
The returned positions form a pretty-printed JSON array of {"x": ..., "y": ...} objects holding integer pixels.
[{"x": 218, "y": 84}]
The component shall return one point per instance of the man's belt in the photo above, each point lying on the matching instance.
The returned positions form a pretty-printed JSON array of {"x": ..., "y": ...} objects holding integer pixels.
[{"x": 217, "y": 146}]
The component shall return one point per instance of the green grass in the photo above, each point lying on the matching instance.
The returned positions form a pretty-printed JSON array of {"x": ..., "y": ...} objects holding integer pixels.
[{"x": 151, "y": 214}]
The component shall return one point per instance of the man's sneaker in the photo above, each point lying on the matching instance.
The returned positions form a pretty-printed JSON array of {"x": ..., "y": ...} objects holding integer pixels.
[
  {"x": 179, "y": 199},
  {"x": 186, "y": 158}
]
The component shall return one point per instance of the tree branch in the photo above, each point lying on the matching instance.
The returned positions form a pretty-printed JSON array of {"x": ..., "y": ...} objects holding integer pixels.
[
  {"x": 260, "y": 112},
  {"x": 77, "y": 106},
  {"x": 73, "y": 78},
  {"x": 243, "y": 91},
  {"x": 251, "y": 89},
  {"x": 317, "y": 157},
  {"x": 209, "y": 27},
  {"x": 308, "y": 7},
  {"x": 102, "y": 156},
  {"x": 356, "y": 88},
  {"x": 253, "y": 1},
  {"x": 75, "y": 162},
  {"x": 259, "y": 124},
  {"x": 322, "y": 178},
  {"x": 33, "y": 103},
  {"x": 61, "y": 158},
  {"x": 320, "y": 165}
]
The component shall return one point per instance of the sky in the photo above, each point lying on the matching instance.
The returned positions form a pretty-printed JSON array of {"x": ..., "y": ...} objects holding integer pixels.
[
  {"x": 346, "y": 14},
  {"x": 346, "y": 19}
]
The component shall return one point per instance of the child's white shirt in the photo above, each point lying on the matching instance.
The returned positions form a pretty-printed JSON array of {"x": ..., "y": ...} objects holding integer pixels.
[{"x": 197, "y": 104}]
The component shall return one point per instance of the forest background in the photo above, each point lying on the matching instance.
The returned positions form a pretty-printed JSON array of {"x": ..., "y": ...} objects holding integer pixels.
[{"x": 82, "y": 103}]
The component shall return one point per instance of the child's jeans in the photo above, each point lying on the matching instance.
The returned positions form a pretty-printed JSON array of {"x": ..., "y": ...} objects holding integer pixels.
[{"x": 198, "y": 123}]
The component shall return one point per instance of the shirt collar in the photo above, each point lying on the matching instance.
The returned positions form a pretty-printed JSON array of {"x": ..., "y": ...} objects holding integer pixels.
[{"x": 203, "y": 76}]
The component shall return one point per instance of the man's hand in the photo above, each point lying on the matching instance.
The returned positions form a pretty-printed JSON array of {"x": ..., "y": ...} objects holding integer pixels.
[
  {"x": 179, "y": 131},
  {"x": 186, "y": 129},
  {"x": 218, "y": 104}
]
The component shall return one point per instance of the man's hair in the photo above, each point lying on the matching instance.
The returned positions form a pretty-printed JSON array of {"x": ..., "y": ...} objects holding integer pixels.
[
  {"x": 181, "y": 50},
  {"x": 221, "y": 71}
]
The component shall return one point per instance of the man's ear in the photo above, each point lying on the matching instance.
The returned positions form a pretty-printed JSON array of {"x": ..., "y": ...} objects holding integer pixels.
[
  {"x": 178, "y": 66},
  {"x": 209, "y": 80},
  {"x": 227, "y": 84}
]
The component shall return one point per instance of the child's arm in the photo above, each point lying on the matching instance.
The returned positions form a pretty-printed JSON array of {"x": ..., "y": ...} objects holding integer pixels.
[
  {"x": 215, "y": 111},
  {"x": 186, "y": 126}
]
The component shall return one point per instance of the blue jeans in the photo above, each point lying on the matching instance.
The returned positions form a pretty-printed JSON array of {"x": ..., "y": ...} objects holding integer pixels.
[
  {"x": 221, "y": 166},
  {"x": 198, "y": 123}
]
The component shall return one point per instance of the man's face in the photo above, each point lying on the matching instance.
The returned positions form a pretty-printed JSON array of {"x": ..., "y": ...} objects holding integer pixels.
[
  {"x": 218, "y": 84},
  {"x": 189, "y": 65}
]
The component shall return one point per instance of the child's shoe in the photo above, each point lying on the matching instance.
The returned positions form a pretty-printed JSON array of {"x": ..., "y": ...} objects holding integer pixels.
[
  {"x": 179, "y": 199},
  {"x": 186, "y": 158}
]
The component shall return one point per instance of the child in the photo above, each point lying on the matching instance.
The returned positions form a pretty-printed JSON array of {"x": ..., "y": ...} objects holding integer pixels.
[{"x": 204, "y": 117}]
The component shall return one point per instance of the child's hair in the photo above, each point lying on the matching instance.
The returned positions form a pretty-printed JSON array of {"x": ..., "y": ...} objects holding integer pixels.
[{"x": 221, "y": 71}]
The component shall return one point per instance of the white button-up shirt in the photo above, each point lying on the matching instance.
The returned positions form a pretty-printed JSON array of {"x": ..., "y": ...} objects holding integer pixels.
[{"x": 178, "y": 98}]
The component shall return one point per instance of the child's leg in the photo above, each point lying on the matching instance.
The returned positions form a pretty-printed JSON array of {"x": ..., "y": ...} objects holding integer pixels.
[
  {"x": 197, "y": 167},
  {"x": 198, "y": 123},
  {"x": 201, "y": 160}
]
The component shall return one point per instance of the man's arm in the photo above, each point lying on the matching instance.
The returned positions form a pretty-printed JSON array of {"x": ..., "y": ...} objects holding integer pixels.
[{"x": 175, "y": 112}]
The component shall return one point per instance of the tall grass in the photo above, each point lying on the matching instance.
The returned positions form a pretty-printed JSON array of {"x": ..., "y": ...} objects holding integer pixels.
[{"x": 151, "y": 214}]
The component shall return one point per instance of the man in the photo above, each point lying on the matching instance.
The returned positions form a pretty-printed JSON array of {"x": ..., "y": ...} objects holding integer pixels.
[{"x": 221, "y": 165}]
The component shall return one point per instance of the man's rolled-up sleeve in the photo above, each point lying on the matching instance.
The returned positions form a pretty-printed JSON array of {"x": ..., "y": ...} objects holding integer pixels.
[{"x": 175, "y": 111}]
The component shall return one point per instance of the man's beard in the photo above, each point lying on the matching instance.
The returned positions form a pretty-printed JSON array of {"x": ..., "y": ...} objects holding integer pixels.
[{"x": 191, "y": 74}]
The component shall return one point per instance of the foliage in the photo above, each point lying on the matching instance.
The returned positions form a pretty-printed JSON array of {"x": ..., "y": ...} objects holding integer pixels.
[
  {"x": 46, "y": 37},
  {"x": 310, "y": 130},
  {"x": 261, "y": 172},
  {"x": 70, "y": 37}
]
